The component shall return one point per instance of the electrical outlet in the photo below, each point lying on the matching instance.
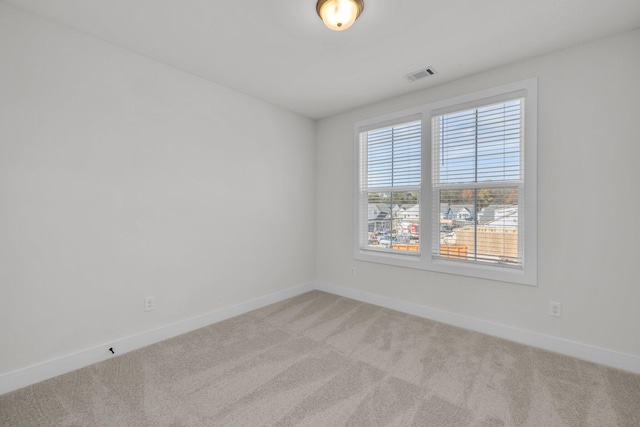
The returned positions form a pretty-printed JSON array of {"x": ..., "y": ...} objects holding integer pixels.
[
  {"x": 555, "y": 309},
  {"x": 149, "y": 303}
]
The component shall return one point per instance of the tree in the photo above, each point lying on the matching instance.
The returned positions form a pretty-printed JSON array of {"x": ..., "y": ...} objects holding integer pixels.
[
  {"x": 396, "y": 198},
  {"x": 485, "y": 198},
  {"x": 467, "y": 196}
]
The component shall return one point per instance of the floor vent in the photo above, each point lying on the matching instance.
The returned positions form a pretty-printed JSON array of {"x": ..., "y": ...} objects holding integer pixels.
[{"x": 420, "y": 74}]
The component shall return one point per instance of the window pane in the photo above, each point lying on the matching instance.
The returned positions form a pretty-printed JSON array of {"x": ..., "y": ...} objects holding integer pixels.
[
  {"x": 394, "y": 221},
  {"x": 479, "y": 145},
  {"x": 478, "y": 225},
  {"x": 393, "y": 156}
]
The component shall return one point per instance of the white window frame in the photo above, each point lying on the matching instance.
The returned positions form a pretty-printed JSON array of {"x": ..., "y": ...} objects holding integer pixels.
[{"x": 527, "y": 273}]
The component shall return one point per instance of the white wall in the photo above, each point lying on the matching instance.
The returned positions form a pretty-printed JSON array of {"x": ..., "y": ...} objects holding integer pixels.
[
  {"x": 589, "y": 146},
  {"x": 122, "y": 178}
]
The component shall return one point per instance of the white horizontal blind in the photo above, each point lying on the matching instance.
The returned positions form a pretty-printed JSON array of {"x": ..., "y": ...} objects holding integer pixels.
[
  {"x": 390, "y": 179},
  {"x": 478, "y": 183},
  {"x": 393, "y": 156}
]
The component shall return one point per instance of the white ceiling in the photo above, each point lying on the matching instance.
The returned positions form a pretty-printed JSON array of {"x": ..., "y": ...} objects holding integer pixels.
[{"x": 279, "y": 50}]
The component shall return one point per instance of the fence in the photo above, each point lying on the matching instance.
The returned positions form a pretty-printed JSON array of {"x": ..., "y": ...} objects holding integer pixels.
[{"x": 499, "y": 242}]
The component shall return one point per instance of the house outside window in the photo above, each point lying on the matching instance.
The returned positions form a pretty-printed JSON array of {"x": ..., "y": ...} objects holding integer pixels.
[{"x": 451, "y": 186}]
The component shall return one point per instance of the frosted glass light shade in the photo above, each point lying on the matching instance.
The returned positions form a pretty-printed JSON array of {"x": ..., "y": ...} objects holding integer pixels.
[{"x": 339, "y": 15}]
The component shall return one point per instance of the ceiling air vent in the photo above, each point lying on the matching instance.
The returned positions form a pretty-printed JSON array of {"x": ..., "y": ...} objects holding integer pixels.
[{"x": 420, "y": 74}]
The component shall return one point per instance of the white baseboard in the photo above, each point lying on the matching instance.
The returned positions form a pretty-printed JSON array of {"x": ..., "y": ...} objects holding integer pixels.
[
  {"x": 32, "y": 374},
  {"x": 578, "y": 350}
]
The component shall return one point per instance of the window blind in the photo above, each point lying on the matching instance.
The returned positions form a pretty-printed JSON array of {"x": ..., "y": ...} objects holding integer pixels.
[
  {"x": 477, "y": 181},
  {"x": 393, "y": 156},
  {"x": 390, "y": 179}
]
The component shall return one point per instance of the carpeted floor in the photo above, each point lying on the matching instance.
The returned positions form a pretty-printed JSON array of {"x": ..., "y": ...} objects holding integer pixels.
[{"x": 323, "y": 360}]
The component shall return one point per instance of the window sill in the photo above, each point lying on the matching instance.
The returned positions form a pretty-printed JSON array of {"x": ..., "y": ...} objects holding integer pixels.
[{"x": 518, "y": 275}]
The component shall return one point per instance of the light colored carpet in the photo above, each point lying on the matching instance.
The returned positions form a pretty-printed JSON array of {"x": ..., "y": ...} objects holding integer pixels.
[{"x": 323, "y": 360}]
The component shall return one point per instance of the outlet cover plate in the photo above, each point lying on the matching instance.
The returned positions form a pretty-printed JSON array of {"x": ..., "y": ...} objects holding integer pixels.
[
  {"x": 555, "y": 309},
  {"x": 149, "y": 303}
]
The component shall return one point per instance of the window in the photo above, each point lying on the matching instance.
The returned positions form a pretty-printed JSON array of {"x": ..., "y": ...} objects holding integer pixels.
[
  {"x": 451, "y": 186},
  {"x": 390, "y": 186},
  {"x": 477, "y": 182}
]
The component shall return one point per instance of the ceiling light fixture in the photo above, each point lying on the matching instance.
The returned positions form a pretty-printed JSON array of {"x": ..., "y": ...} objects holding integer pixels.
[{"x": 339, "y": 15}]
